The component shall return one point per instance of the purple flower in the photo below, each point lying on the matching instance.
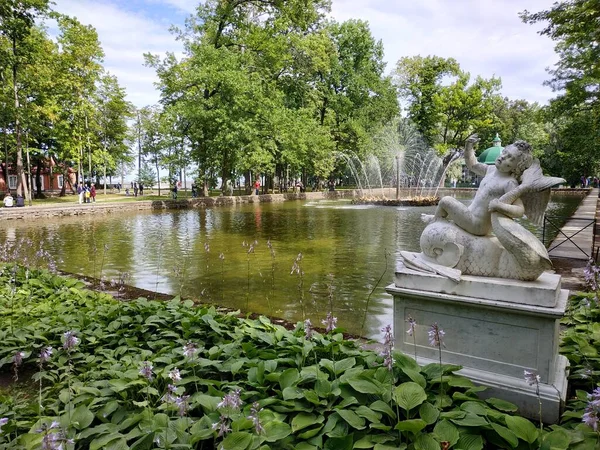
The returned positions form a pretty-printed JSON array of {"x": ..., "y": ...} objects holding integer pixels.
[
  {"x": 388, "y": 347},
  {"x": 70, "y": 339},
  {"x": 412, "y": 323},
  {"x": 169, "y": 397},
  {"x": 183, "y": 404},
  {"x": 3, "y": 422},
  {"x": 435, "y": 335},
  {"x": 532, "y": 378},
  {"x": 17, "y": 358},
  {"x": 330, "y": 323},
  {"x": 189, "y": 349},
  {"x": 175, "y": 375},
  {"x": 254, "y": 417},
  {"x": 231, "y": 402},
  {"x": 592, "y": 410},
  {"x": 308, "y": 329},
  {"x": 146, "y": 370},
  {"x": 222, "y": 426},
  {"x": 590, "y": 273},
  {"x": 45, "y": 354}
]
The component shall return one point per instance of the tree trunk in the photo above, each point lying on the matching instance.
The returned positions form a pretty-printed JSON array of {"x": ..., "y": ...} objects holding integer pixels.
[{"x": 21, "y": 182}]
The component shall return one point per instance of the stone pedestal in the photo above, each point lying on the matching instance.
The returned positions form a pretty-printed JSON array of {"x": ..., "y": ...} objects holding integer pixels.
[{"x": 494, "y": 328}]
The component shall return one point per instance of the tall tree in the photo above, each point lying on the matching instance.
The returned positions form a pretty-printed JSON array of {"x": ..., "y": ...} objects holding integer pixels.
[
  {"x": 419, "y": 81},
  {"x": 79, "y": 70},
  {"x": 17, "y": 18},
  {"x": 112, "y": 113},
  {"x": 575, "y": 112}
]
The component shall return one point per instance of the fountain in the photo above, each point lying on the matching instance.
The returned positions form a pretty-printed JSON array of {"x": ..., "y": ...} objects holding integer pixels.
[{"x": 402, "y": 167}]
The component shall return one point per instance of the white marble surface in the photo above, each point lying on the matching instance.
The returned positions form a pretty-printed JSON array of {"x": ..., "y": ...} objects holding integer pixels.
[{"x": 544, "y": 291}]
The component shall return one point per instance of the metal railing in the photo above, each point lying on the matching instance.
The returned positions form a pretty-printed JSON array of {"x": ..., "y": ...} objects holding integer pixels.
[{"x": 555, "y": 223}]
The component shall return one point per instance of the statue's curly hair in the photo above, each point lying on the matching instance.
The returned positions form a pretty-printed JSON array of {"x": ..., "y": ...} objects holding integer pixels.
[{"x": 526, "y": 152}]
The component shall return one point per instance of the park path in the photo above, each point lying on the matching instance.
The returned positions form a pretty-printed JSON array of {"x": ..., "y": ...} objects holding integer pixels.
[{"x": 576, "y": 242}]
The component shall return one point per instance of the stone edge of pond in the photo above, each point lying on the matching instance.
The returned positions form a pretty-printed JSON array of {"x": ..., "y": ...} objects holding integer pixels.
[{"x": 70, "y": 210}]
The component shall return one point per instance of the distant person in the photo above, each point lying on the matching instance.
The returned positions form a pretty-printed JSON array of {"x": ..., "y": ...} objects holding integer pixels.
[
  {"x": 93, "y": 193},
  {"x": 257, "y": 186},
  {"x": 87, "y": 194},
  {"x": 194, "y": 190},
  {"x": 8, "y": 200},
  {"x": 174, "y": 191},
  {"x": 141, "y": 186},
  {"x": 135, "y": 189},
  {"x": 80, "y": 192}
]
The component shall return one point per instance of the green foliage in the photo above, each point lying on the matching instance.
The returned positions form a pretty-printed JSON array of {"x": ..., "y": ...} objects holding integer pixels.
[
  {"x": 325, "y": 392},
  {"x": 575, "y": 112},
  {"x": 445, "y": 113}
]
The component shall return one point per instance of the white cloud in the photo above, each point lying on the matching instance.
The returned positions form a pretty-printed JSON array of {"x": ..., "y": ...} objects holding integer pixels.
[
  {"x": 486, "y": 37},
  {"x": 125, "y": 36}
]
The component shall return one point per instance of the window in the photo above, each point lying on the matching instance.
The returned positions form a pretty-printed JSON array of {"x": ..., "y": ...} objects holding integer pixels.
[
  {"x": 35, "y": 183},
  {"x": 12, "y": 181}
]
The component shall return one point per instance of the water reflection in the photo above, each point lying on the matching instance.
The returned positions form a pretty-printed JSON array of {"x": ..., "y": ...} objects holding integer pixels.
[{"x": 207, "y": 254}]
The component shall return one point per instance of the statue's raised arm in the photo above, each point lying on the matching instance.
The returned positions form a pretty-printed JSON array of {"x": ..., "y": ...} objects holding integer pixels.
[{"x": 470, "y": 159}]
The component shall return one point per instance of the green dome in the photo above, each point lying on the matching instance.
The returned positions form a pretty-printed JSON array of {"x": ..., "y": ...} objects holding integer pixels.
[{"x": 489, "y": 155}]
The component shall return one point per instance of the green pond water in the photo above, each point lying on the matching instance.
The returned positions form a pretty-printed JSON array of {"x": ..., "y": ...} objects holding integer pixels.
[{"x": 221, "y": 255}]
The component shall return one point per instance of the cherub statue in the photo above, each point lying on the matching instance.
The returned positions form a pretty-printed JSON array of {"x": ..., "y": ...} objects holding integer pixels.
[
  {"x": 499, "y": 179},
  {"x": 460, "y": 237}
]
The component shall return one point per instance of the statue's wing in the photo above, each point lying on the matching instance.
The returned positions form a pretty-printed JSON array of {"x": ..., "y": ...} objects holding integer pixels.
[
  {"x": 535, "y": 204},
  {"x": 535, "y": 191}
]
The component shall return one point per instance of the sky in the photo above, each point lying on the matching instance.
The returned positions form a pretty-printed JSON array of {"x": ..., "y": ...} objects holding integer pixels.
[{"x": 486, "y": 37}]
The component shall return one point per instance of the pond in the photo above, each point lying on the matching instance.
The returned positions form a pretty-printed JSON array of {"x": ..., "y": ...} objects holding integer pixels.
[{"x": 246, "y": 257}]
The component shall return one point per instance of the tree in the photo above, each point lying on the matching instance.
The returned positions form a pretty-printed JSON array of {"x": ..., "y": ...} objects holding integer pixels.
[
  {"x": 17, "y": 20},
  {"x": 445, "y": 113},
  {"x": 419, "y": 82},
  {"x": 575, "y": 112},
  {"x": 112, "y": 113},
  {"x": 78, "y": 72}
]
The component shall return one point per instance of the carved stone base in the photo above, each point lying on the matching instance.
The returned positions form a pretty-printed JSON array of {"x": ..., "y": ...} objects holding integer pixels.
[{"x": 494, "y": 340}]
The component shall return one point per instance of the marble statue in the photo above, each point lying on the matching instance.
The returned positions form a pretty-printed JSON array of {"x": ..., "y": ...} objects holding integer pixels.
[{"x": 483, "y": 238}]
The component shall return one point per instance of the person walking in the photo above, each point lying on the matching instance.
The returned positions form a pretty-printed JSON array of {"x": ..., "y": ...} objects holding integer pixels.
[
  {"x": 141, "y": 186},
  {"x": 93, "y": 193}
]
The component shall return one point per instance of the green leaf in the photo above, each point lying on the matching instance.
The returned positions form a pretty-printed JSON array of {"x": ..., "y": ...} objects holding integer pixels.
[
  {"x": 429, "y": 413},
  {"x": 343, "y": 365},
  {"x": 502, "y": 405},
  {"x": 368, "y": 413},
  {"x": 409, "y": 395},
  {"x": 239, "y": 440},
  {"x": 470, "y": 420},
  {"x": 523, "y": 428},
  {"x": 82, "y": 417},
  {"x": 303, "y": 420},
  {"x": 426, "y": 442},
  {"x": 340, "y": 443},
  {"x": 288, "y": 378},
  {"x": 506, "y": 434},
  {"x": 383, "y": 407},
  {"x": 556, "y": 440},
  {"x": 276, "y": 430},
  {"x": 352, "y": 418},
  {"x": 415, "y": 376},
  {"x": 103, "y": 441},
  {"x": 365, "y": 385},
  {"x": 292, "y": 393},
  {"x": 412, "y": 425},
  {"x": 470, "y": 442},
  {"x": 445, "y": 431}
]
